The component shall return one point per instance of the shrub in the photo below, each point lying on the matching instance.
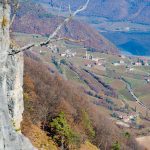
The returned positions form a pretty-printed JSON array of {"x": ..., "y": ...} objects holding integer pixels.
[
  {"x": 127, "y": 135},
  {"x": 116, "y": 146},
  {"x": 25, "y": 96},
  {"x": 63, "y": 61}
]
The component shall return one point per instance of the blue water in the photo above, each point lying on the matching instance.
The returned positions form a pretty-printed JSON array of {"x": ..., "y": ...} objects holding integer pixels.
[{"x": 134, "y": 43}]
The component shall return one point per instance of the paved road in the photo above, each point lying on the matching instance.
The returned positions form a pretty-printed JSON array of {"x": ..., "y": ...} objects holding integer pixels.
[{"x": 133, "y": 95}]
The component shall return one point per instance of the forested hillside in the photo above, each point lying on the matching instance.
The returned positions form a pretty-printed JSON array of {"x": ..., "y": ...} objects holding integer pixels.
[{"x": 58, "y": 113}]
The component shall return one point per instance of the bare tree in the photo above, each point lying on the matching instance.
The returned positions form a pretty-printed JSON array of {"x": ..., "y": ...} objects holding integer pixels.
[
  {"x": 52, "y": 37},
  {"x": 15, "y": 6}
]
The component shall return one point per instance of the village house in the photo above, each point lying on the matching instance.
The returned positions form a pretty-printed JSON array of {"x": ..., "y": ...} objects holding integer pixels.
[
  {"x": 131, "y": 69},
  {"x": 116, "y": 64},
  {"x": 122, "y": 62},
  {"x": 138, "y": 64},
  {"x": 63, "y": 54},
  {"x": 147, "y": 80},
  {"x": 146, "y": 63},
  {"x": 88, "y": 65},
  {"x": 127, "y": 118},
  {"x": 68, "y": 54},
  {"x": 95, "y": 59}
]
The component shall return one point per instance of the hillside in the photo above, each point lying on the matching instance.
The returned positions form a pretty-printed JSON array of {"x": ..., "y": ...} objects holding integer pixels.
[
  {"x": 124, "y": 10},
  {"x": 49, "y": 97},
  {"x": 80, "y": 96},
  {"x": 65, "y": 95},
  {"x": 38, "y": 21},
  {"x": 54, "y": 82}
]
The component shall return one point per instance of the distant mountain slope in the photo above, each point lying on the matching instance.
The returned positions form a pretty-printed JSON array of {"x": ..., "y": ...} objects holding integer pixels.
[
  {"x": 32, "y": 18},
  {"x": 130, "y": 10}
]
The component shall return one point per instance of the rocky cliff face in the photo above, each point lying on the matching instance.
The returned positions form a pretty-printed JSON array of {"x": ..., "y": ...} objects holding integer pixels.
[{"x": 11, "y": 101}]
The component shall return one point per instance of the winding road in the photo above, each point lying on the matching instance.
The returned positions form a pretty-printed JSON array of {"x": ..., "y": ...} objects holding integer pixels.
[{"x": 133, "y": 95}]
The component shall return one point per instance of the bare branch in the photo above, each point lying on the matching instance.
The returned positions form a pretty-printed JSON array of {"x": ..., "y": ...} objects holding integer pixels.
[
  {"x": 70, "y": 40},
  {"x": 80, "y": 9},
  {"x": 27, "y": 47},
  {"x": 15, "y": 13},
  {"x": 52, "y": 36},
  {"x": 70, "y": 12}
]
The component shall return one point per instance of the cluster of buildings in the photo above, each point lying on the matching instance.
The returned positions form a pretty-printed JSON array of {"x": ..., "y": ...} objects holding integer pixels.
[
  {"x": 119, "y": 63},
  {"x": 53, "y": 48},
  {"x": 137, "y": 62},
  {"x": 92, "y": 64},
  {"x": 130, "y": 120},
  {"x": 141, "y": 63},
  {"x": 68, "y": 54},
  {"x": 95, "y": 61}
]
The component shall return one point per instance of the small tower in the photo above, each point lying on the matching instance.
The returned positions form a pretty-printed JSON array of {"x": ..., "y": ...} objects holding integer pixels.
[{"x": 86, "y": 55}]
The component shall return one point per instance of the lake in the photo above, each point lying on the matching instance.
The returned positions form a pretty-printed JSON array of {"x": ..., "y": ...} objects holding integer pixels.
[{"x": 134, "y": 43}]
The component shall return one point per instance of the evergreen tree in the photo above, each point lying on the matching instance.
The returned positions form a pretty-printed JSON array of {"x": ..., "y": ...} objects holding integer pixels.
[{"x": 63, "y": 134}]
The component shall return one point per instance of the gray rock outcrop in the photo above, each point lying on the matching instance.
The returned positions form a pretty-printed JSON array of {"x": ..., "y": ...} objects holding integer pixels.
[{"x": 11, "y": 99}]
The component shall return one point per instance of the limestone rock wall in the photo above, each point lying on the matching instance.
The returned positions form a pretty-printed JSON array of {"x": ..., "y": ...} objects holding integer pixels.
[
  {"x": 14, "y": 79},
  {"x": 11, "y": 99}
]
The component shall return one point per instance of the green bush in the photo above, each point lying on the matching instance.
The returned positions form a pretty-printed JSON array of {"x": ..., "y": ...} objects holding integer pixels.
[
  {"x": 116, "y": 146},
  {"x": 127, "y": 135}
]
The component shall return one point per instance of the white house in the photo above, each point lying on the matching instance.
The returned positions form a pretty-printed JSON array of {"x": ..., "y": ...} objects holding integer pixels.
[
  {"x": 116, "y": 64},
  {"x": 122, "y": 62},
  {"x": 95, "y": 59},
  {"x": 63, "y": 54}
]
